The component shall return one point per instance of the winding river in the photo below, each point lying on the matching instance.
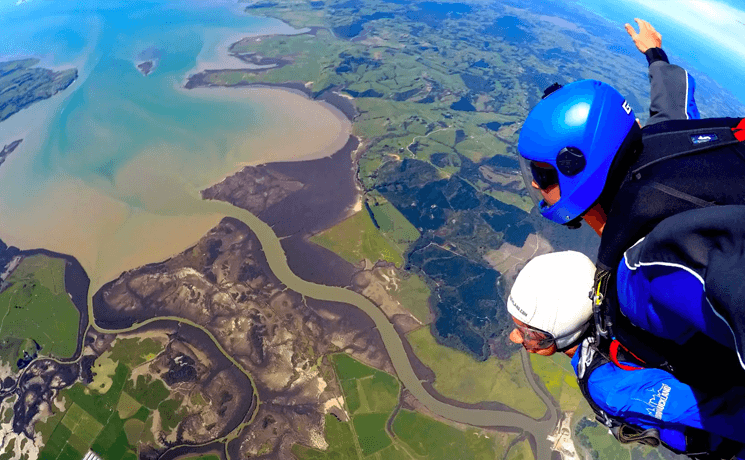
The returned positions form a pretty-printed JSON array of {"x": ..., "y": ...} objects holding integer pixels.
[
  {"x": 277, "y": 261},
  {"x": 110, "y": 170}
]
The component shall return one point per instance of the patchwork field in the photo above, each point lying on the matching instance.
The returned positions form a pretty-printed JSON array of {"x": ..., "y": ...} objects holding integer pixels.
[
  {"x": 431, "y": 439},
  {"x": 370, "y": 397},
  {"x": 116, "y": 412}
]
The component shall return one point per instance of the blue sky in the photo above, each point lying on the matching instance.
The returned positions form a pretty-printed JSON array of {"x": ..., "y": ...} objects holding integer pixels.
[
  {"x": 718, "y": 22},
  {"x": 706, "y": 33}
]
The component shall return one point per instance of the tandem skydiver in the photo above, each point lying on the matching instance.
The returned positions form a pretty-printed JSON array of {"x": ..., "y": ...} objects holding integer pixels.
[
  {"x": 637, "y": 404},
  {"x": 586, "y": 158}
]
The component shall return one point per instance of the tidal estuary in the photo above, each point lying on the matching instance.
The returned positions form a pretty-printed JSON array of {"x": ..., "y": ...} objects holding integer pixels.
[{"x": 110, "y": 169}]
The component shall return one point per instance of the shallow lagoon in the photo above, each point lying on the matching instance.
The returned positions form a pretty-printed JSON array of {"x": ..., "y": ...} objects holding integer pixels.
[{"x": 110, "y": 169}]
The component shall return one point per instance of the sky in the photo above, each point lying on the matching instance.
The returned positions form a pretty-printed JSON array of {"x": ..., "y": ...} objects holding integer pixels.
[
  {"x": 721, "y": 22},
  {"x": 707, "y": 34}
]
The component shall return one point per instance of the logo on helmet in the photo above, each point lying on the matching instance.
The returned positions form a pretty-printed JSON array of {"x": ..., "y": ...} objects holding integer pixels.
[
  {"x": 626, "y": 107},
  {"x": 512, "y": 301}
]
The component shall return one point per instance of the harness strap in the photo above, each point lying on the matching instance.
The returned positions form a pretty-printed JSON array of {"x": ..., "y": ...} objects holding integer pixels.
[
  {"x": 739, "y": 131},
  {"x": 602, "y": 322},
  {"x": 684, "y": 144},
  {"x": 628, "y": 433},
  {"x": 682, "y": 195},
  {"x": 614, "y": 345}
]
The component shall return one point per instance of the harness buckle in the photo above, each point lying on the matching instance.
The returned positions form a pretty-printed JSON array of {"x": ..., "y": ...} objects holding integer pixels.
[{"x": 628, "y": 433}]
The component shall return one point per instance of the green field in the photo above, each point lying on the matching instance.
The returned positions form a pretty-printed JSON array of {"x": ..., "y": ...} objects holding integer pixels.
[
  {"x": 557, "y": 374},
  {"x": 394, "y": 226},
  {"x": 369, "y": 390},
  {"x": 413, "y": 294},
  {"x": 371, "y": 396},
  {"x": 357, "y": 238},
  {"x": 522, "y": 451},
  {"x": 135, "y": 351},
  {"x": 36, "y": 306},
  {"x": 434, "y": 440},
  {"x": 462, "y": 378},
  {"x": 375, "y": 395},
  {"x": 313, "y": 60},
  {"x": 371, "y": 435}
]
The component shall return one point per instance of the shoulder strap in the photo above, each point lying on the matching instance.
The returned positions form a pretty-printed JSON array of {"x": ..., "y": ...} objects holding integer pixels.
[
  {"x": 590, "y": 359},
  {"x": 676, "y": 144}
]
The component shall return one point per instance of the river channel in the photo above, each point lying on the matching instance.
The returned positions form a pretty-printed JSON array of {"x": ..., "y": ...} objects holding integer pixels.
[
  {"x": 110, "y": 170},
  {"x": 277, "y": 261}
]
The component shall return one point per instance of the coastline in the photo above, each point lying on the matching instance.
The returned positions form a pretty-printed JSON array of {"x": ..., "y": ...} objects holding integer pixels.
[
  {"x": 285, "y": 92},
  {"x": 295, "y": 219}
]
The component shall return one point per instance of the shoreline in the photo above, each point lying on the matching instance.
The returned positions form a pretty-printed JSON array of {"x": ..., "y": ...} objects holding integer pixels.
[
  {"x": 299, "y": 250},
  {"x": 340, "y": 108},
  {"x": 328, "y": 268},
  {"x": 77, "y": 285}
]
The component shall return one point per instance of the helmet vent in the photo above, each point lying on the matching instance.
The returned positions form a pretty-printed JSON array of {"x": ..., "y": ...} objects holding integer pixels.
[{"x": 570, "y": 161}]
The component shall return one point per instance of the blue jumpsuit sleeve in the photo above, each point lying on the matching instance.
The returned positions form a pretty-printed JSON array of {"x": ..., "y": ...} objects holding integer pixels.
[
  {"x": 668, "y": 302},
  {"x": 672, "y": 90},
  {"x": 653, "y": 398}
]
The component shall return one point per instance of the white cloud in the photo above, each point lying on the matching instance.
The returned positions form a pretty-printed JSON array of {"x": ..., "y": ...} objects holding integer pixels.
[{"x": 712, "y": 20}]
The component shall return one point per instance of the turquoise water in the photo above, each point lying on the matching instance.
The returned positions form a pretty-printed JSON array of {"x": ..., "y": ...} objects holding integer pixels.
[
  {"x": 110, "y": 169},
  {"x": 116, "y": 112}
]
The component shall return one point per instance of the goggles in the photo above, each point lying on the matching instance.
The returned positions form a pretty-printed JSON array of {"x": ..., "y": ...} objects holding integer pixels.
[
  {"x": 544, "y": 176},
  {"x": 534, "y": 338}
]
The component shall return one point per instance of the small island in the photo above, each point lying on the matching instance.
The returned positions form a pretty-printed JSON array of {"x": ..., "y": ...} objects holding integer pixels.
[
  {"x": 146, "y": 67},
  {"x": 22, "y": 84},
  {"x": 148, "y": 60},
  {"x": 8, "y": 149}
]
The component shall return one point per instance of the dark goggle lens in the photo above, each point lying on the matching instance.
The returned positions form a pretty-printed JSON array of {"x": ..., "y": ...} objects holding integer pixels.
[
  {"x": 545, "y": 177},
  {"x": 535, "y": 338}
]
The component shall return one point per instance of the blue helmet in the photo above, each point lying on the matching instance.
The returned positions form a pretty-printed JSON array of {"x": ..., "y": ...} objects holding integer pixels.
[{"x": 577, "y": 129}]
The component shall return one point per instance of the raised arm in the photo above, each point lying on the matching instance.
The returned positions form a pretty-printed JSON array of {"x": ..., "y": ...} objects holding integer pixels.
[{"x": 672, "y": 87}]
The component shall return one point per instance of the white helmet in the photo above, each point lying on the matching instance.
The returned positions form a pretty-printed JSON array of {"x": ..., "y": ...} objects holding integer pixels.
[{"x": 552, "y": 293}]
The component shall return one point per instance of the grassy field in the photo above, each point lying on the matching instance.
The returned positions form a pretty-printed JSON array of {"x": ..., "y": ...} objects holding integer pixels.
[
  {"x": 434, "y": 440},
  {"x": 413, "y": 293},
  {"x": 371, "y": 396},
  {"x": 522, "y": 451},
  {"x": 357, "y": 238},
  {"x": 394, "y": 226},
  {"x": 135, "y": 351},
  {"x": 314, "y": 59},
  {"x": 36, "y": 306},
  {"x": 557, "y": 374},
  {"x": 462, "y": 378}
]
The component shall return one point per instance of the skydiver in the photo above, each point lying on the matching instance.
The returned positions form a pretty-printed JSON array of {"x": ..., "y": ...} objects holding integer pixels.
[
  {"x": 637, "y": 403},
  {"x": 586, "y": 158}
]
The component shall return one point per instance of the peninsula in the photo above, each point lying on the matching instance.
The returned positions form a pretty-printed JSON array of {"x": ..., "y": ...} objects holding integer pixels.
[{"x": 22, "y": 84}]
